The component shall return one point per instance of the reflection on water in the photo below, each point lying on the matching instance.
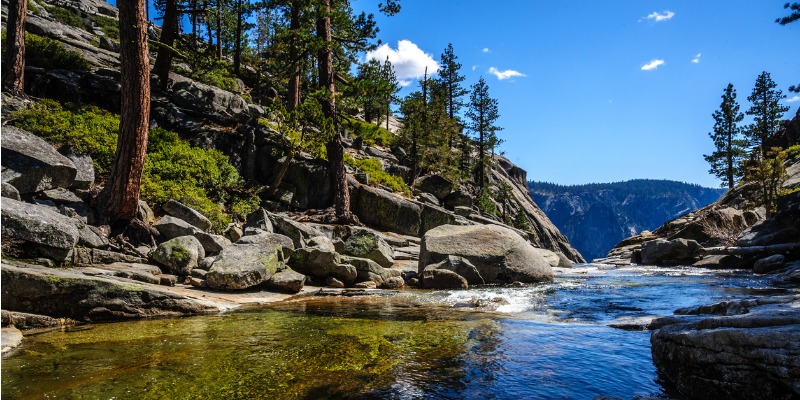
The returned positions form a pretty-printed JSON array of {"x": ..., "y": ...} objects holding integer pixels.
[{"x": 542, "y": 341}]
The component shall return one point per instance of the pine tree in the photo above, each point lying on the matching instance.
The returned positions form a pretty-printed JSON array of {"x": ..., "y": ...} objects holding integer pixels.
[
  {"x": 14, "y": 61},
  {"x": 450, "y": 79},
  {"x": 766, "y": 111},
  {"x": 120, "y": 197},
  {"x": 727, "y": 136},
  {"x": 482, "y": 115},
  {"x": 794, "y": 16}
]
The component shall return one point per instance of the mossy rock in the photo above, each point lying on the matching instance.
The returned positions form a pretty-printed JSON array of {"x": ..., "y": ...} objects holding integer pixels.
[{"x": 179, "y": 255}]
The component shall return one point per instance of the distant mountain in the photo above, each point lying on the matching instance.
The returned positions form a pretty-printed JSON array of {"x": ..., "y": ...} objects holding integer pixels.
[{"x": 597, "y": 216}]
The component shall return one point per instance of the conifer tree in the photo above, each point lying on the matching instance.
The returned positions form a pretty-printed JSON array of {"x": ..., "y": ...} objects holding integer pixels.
[
  {"x": 766, "y": 111},
  {"x": 450, "y": 79},
  {"x": 727, "y": 136},
  {"x": 482, "y": 115},
  {"x": 794, "y": 16},
  {"x": 767, "y": 171}
]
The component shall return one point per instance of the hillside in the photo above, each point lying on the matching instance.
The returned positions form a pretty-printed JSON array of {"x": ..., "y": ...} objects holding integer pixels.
[{"x": 597, "y": 216}]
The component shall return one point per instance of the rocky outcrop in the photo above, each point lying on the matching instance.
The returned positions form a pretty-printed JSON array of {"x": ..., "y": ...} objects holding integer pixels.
[
  {"x": 53, "y": 234},
  {"x": 33, "y": 165},
  {"x": 65, "y": 293},
  {"x": 499, "y": 254},
  {"x": 383, "y": 210},
  {"x": 749, "y": 350}
]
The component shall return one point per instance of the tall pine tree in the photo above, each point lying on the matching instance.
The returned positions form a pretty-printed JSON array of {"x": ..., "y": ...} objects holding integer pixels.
[
  {"x": 450, "y": 80},
  {"x": 482, "y": 115},
  {"x": 730, "y": 151},
  {"x": 766, "y": 111}
]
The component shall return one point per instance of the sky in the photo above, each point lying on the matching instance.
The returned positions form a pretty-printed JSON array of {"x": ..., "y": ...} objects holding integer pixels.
[{"x": 601, "y": 91}]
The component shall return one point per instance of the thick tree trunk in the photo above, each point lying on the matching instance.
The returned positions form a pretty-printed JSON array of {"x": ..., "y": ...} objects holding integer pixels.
[
  {"x": 14, "y": 62},
  {"x": 341, "y": 195},
  {"x": 294, "y": 81},
  {"x": 168, "y": 33},
  {"x": 120, "y": 197}
]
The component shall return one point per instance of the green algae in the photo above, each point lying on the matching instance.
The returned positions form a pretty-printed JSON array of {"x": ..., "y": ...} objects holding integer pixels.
[{"x": 255, "y": 354}]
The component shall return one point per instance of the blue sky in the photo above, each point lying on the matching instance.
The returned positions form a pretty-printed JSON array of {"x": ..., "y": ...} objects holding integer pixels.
[{"x": 585, "y": 107}]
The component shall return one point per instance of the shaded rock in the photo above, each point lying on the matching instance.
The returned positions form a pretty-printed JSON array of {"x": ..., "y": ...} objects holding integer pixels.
[
  {"x": 84, "y": 166},
  {"x": 322, "y": 263},
  {"x": 287, "y": 281},
  {"x": 91, "y": 236},
  {"x": 205, "y": 264},
  {"x": 334, "y": 283},
  {"x": 552, "y": 258},
  {"x": 658, "y": 251},
  {"x": 244, "y": 265},
  {"x": 167, "y": 280},
  {"x": 459, "y": 198},
  {"x": 23, "y": 321},
  {"x": 394, "y": 282},
  {"x": 54, "y": 233},
  {"x": 366, "y": 244},
  {"x": 368, "y": 270},
  {"x": 433, "y": 216},
  {"x": 197, "y": 282},
  {"x": 212, "y": 243},
  {"x": 460, "y": 266},
  {"x": 769, "y": 264},
  {"x": 145, "y": 213},
  {"x": 234, "y": 232},
  {"x": 170, "y": 227},
  {"x": 435, "y": 185},
  {"x": 179, "y": 255},
  {"x": 382, "y": 210},
  {"x": 199, "y": 273},
  {"x": 259, "y": 219},
  {"x": 427, "y": 198},
  {"x": 81, "y": 256},
  {"x": 443, "y": 279},
  {"x": 67, "y": 293},
  {"x": 499, "y": 254},
  {"x": 298, "y": 232},
  {"x": 563, "y": 261},
  {"x": 188, "y": 214},
  {"x": 366, "y": 285},
  {"x": 720, "y": 261},
  {"x": 31, "y": 165},
  {"x": 322, "y": 242},
  {"x": 59, "y": 196},
  {"x": 374, "y": 152},
  {"x": 9, "y": 191},
  {"x": 220, "y": 105}
]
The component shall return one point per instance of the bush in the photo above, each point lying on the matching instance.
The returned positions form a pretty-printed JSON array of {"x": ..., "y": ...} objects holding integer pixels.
[
  {"x": 485, "y": 202},
  {"x": 372, "y": 134},
  {"x": 109, "y": 26},
  {"x": 376, "y": 173},
  {"x": 202, "y": 179},
  {"x": 48, "y": 53},
  {"x": 68, "y": 17},
  {"x": 793, "y": 152}
]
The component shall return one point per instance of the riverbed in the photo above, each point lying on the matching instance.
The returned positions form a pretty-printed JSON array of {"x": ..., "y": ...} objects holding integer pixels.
[{"x": 547, "y": 341}]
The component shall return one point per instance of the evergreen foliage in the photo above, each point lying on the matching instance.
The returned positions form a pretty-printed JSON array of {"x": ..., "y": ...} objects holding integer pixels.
[
  {"x": 766, "y": 111},
  {"x": 173, "y": 169},
  {"x": 450, "y": 80},
  {"x": 727, "y": 136},
  {"x": 44, "y": 52},
  {"x": 767, "y": 172},
  {"x": 482, "y": 116}
]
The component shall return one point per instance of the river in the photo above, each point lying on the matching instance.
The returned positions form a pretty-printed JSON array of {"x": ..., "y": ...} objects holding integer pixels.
[{"x": 545, "y": 341}]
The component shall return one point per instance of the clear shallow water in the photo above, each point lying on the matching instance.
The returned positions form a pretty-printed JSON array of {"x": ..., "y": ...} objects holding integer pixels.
[{"x": 546, "y": 341}]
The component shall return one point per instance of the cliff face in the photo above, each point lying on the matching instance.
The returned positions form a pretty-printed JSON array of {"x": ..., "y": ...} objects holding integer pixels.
[{"x": 597, "y": 216}]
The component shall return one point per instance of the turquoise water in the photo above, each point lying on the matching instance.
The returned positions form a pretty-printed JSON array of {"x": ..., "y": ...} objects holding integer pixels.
[{"x": 548, "y": 341}]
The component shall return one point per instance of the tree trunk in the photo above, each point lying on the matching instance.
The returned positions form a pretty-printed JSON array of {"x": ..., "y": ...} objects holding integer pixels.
[
  {"x": 14, "y": 62},
  {"x": 237, "y": 46},
  {"x": 219, "y": 30},
  {"x": 120, "y": 197},
  {"x": 168, "y": 33},
  {"x": 294, "y": 81},
  {"x": 341, "y": 195}
]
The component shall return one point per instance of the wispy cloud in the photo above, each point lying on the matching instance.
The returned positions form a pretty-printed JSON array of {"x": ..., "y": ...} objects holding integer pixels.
[
  {"x": 656, "y": 16},
  {"x": 696, "y": 59},
  {"x": 653, "y": 64},
  {"x": 486, "y": 50},
  {"x": 794, "y": 99},
  {"x": 408, "y": 60},
  {"x": 509, "y": 73}
]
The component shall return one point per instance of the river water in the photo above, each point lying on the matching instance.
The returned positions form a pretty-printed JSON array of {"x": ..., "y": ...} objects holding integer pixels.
[{"x": 546, "y": 341}]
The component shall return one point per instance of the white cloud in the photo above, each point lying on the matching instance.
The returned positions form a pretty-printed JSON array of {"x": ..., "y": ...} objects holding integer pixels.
[
  {"x": 509, "y": 73},
  {"x": 653, "y": 64},
  {"x": 474, "y": 67},
  {"x": 696, "y": 59},
  {"x": 794, "y": 99},
  {"x": 659, "y": 17},
  {"x": 486, "y": 50},
  {"x": 408, "y": 61}
]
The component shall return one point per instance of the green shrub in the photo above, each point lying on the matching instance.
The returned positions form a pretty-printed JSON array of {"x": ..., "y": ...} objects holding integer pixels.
[
  {"x": 485, "y": 202},
  {"x": 211, "y": 72},
  {"x": 68, "y": 17},
  {"x": 793, "y": 152},
  {"x": 109, "y": 26},
  {"x": 200, "y": 178},
  {"x": 376, "y": 173},
  {"x": 372, "y": 134},
  {"x": 44, "y": 52}
]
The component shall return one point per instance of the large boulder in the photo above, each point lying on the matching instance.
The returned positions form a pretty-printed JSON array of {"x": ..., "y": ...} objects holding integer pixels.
[
  {"x": 677, "y": 250},
  {"x": 170, "y": 227},
  {"x": 499, "y": 254},
  {"x": 749, "y": 350},
  {"x": 188, "y": 214},
  {"x": 436, "y": 185},
  {"x": 380, "y": 209},
  {"x": 31, "y": 164},
  {"x": 299, "y": 233},
  {"x": 460, "y": 266},
  {"x": 244, "y": 265},
  {"x": 211, "y": 101},
  {"x": 287, "y": 281},
  {"x": 322, "y": 263},
  {"x": 369, "y": 271},
  {"x": 39, "y": 225},
  {"x": 179, "y": 255},
  {"x": 443, "y": 279},
  {"x": 270, "y": 239},
  {"x": 366, "y": 244},
  {"x": 433, "y": 216},
  {"x": 84, "y": 178},
  {"x": 9, "y": 191}
]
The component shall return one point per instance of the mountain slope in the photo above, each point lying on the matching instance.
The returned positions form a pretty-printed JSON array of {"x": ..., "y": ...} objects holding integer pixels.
[{"x": 597, "y": 216}]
